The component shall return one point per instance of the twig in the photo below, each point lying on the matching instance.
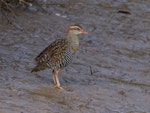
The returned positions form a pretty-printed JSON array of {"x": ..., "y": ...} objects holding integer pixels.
[
  {"x": 24, "y": 2},
  {"x": 9, "y": 8},
  {"x": 91, "y": 71},
  {"x": 124, "y": 12},
  {"x": 8, "y": 21}
]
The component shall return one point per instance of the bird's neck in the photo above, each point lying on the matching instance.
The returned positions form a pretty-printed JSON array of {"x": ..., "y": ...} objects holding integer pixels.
[{"x": 73, "y": 41}]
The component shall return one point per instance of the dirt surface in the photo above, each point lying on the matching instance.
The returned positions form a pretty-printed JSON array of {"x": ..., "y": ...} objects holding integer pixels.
[{"x": 110, "y": 73}]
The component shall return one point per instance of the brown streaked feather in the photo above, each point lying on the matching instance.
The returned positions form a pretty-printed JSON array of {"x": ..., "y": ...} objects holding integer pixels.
[{"x": 53, "y": 53}]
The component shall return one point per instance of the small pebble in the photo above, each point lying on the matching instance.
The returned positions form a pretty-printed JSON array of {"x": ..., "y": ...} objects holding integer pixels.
[
  {"x": 32, "y": 8},
  {"x": 121, "y": 92}
]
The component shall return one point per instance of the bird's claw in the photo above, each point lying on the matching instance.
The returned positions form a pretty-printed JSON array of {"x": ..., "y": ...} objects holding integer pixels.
[{"x": 59, "y": 87}]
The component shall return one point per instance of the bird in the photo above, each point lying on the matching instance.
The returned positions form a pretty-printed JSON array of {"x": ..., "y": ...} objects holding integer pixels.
[{"x": 59, "y": 53}]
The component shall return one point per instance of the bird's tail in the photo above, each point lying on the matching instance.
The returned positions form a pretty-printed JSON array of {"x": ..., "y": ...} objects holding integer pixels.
[{"x": 37, "y": 68}]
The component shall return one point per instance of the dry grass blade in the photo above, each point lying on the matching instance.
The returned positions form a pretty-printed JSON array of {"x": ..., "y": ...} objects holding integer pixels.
[{"x": 9, "y": 5}]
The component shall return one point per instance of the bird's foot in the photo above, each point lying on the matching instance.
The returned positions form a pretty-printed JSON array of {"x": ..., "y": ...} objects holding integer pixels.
[
  {"x": 59, "y": 87},
  {"x": 64, "y": 89}
]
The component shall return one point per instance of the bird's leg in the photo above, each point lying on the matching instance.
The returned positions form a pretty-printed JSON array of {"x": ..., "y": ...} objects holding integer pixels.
[
  {"x": 54, "y": 80},
  {"x": 57, "y": 79}
]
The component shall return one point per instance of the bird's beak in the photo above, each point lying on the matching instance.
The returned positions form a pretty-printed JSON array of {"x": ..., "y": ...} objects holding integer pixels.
[{"x": 83, "y": 31}]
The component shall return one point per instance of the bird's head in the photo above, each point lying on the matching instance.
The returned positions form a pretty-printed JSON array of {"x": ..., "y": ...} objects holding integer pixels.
[{"x": 76, "y": 29}]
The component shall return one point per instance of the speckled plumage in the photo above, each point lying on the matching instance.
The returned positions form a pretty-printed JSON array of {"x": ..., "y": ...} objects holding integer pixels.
[
  {"x": 59, "y": 53},
  {"x": 56, "y": 56}
]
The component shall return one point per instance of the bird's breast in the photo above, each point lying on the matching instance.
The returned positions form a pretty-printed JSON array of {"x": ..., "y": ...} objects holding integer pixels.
[{"x": 74, "y": 49}]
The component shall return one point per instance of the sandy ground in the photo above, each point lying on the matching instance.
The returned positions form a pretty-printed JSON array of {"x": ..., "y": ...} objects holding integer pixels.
[{"x": 110, "y": 73}]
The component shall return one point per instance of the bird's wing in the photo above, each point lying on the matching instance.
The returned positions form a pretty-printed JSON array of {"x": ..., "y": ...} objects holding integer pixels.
[{"x": 54, "y": 52}]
